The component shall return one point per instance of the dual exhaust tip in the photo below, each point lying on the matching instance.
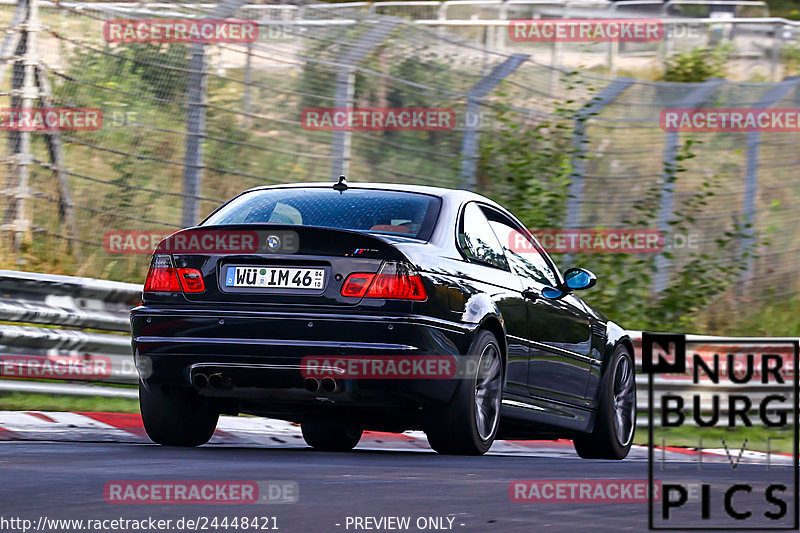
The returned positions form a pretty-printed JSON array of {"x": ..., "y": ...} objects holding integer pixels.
[
  {"x": 214, "y": 381},
  {"x": 220, "y": 381},
  {"x": 328, "y": 385}
]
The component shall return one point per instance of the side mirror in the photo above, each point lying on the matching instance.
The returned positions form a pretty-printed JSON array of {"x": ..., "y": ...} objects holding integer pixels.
[
  {"x": 551, "y": 293},
  {"x": 577, "y": 279}
]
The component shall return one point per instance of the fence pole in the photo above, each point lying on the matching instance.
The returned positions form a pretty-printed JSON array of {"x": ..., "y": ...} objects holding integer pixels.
[
  {"x": 24, "y": 91},
  {"x": 469, "y": 143},
  {"x": 248, "y": 82},
  {"x": 575, "y": 199},
  {"x": 750, "y": 197},
  {"x": 695, "y": 98},
  {"x": 66, "y": 207},
  {"x": 196, "y": 119},
  {"x": 345, "y": 87},
  {"x": 29, "y": 84},
  {"x": 195, "y": 127}
]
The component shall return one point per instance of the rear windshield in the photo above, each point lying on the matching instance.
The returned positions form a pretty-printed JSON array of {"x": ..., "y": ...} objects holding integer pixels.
[{"x": 389, "y": 212}]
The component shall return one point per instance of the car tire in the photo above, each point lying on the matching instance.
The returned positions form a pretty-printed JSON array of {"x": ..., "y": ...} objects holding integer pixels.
[
  {"x": 331, "y": 436},
  {"x": 615, "y": 422},
  {"x": 176, "y": 416},
  {"x": 468, "y": 424}
]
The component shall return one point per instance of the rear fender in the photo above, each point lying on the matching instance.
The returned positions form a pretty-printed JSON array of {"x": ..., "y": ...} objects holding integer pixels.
[{"x": 482, "y": 311}]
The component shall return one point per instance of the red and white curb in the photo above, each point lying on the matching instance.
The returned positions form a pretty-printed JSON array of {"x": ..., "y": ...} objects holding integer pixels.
[{"x": 266, "y": 432}]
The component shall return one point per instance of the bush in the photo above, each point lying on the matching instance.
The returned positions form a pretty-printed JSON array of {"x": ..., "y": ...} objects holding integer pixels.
[{"x": 697, "y": 64}]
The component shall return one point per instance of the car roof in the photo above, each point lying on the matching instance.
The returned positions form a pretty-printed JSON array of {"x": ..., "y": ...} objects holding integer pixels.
[{"x": 455, "y": 195}]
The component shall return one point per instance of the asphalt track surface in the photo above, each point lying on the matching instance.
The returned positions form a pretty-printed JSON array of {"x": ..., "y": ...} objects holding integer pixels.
[{"x": 66, "y": 480}]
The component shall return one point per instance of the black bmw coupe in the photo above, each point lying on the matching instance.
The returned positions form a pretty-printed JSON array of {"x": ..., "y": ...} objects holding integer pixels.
[{"x": 383, "y": 307}]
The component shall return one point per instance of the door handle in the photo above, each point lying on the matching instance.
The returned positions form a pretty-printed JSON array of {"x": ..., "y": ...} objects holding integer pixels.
[{"x": 530, "y": 294}]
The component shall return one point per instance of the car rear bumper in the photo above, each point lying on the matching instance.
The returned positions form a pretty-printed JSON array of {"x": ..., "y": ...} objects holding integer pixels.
[{"x": 258, "y": 355}]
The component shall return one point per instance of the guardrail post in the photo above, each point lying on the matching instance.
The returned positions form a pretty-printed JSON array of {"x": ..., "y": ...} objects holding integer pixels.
[
  {"x": 753, "y": 144},
  {"x": 692, "y": 100},
  {"x": 196, "y": 119},
  {"x": 502, "y": 31},
  {"x": 345, "y": 86},
  {"x": 663, "y": 47},
  {"x": 777, "y": 40},
  {"x": 441, "y": 16},
  {"x": 575, "y": 199},
  {"x": 469, "y": 143},
  {"x": 613, "y": 52}
]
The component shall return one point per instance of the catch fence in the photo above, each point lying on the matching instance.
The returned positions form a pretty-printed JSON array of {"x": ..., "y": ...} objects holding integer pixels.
[{"x": 186, "y": 126}]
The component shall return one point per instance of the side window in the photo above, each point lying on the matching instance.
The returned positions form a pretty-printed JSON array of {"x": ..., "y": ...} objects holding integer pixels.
[
  {"x": 477, "y": 240},
  {"x": 526, "y": 260}
]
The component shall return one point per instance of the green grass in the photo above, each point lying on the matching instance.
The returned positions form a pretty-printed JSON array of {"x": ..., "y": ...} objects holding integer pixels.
[
  {"x": 776, "y": 318},
  {"x": 784, "y": 8},
  {"x": 19, "y": 401},
  {"x": 687, "y": 437}
]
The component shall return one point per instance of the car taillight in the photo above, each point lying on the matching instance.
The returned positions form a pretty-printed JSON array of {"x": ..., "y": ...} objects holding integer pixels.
[
  {"x": 162, "y": 277},
  {"x": 356, "y": 285},
  {"x": 191, "y": 280},
  {"x": 395, "y": 281}
]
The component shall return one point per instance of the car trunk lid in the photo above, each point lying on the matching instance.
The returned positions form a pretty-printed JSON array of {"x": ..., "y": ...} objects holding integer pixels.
[{"x": 274, "y": 264}]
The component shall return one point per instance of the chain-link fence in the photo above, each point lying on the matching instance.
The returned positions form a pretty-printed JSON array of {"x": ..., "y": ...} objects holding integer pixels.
[{"x": 187, "y": 125}]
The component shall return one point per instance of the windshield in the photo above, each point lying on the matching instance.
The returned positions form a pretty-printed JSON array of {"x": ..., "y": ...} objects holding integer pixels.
[{"x": 391, "y": 212}]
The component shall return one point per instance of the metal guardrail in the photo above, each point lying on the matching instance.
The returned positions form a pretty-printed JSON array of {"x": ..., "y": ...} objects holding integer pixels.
[
  {"x": 68, "y": 389},
  {"x": 690, "y": 24},
  {"x": 68, "y": 302},
  {"x": 444, "y": 9},
  {"x": 84, "y": 303}
]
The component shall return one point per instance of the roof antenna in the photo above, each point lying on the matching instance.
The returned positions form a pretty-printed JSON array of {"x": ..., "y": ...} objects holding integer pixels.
[{"x": 341, "y": 185}]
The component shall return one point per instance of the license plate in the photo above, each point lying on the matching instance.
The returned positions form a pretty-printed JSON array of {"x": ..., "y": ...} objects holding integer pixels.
[{"x": 275, "y": 277}]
